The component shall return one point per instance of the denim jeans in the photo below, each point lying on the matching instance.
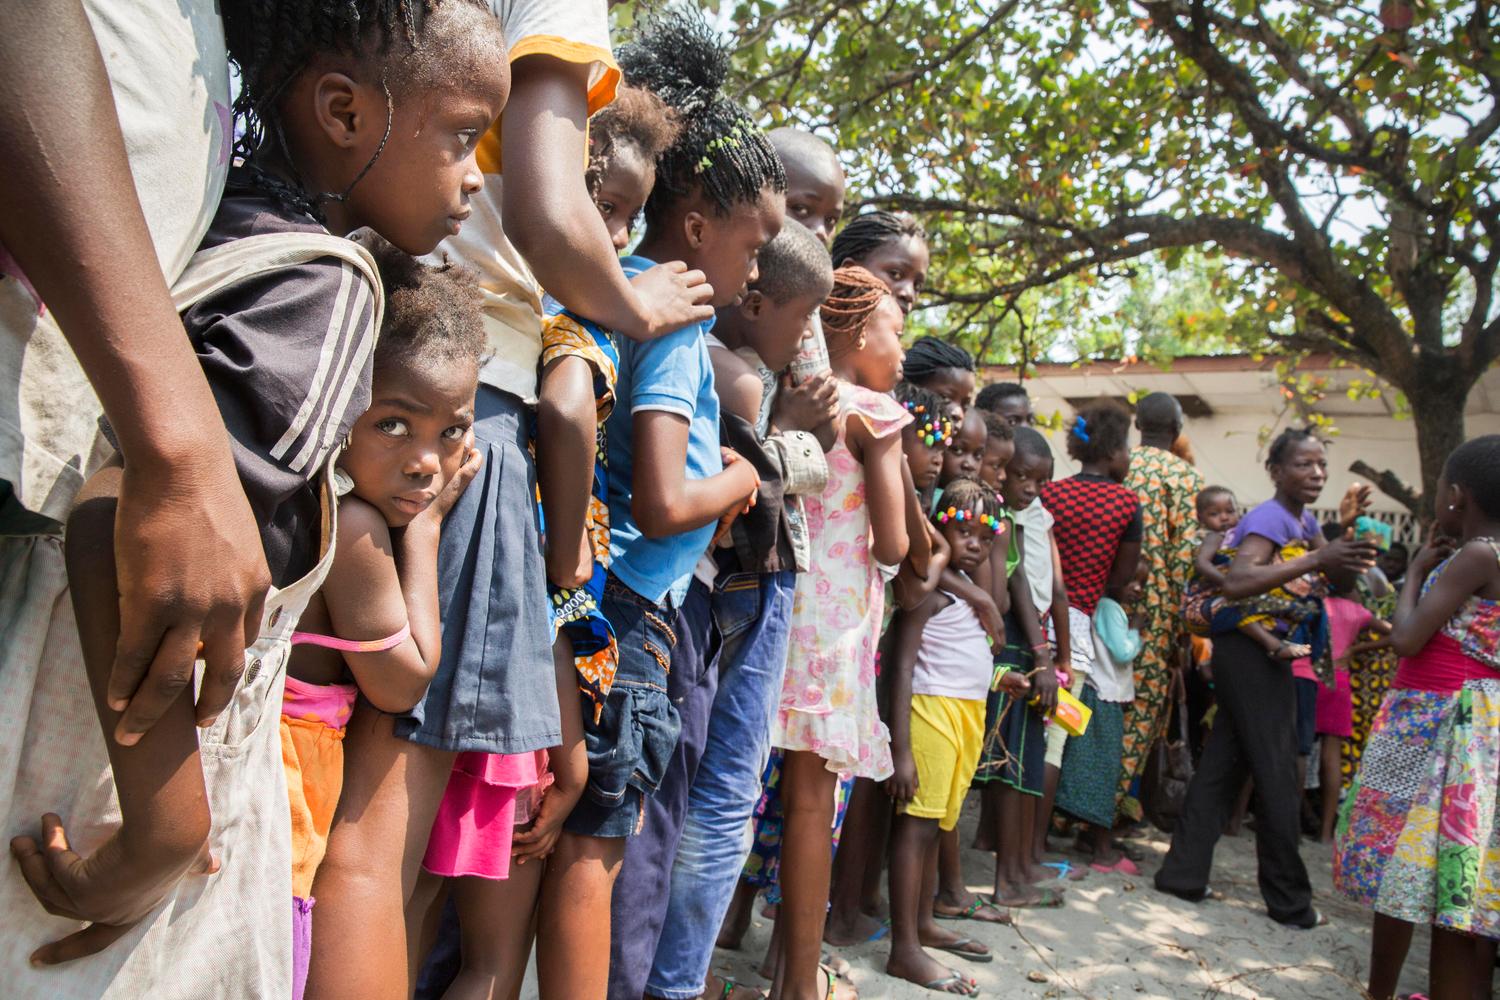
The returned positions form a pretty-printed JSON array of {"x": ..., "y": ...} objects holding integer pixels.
[{"x": 753, "y": 614}]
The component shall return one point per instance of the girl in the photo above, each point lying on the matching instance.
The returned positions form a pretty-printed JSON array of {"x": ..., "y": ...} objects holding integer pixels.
[
  {"x": 926, "y": 440},
  {"x": 1279, "y": 547},
  {"x": 1097, "y": 525},
  {"x": 945, "y": 368},
  {"x": 1416, "y": 839},
  {"x": 829, "y": 721},
  {"x": 890, "y": 245},
  {"x": 941, "y": 677},
  {"x": 491, "y": 795},
  {"x": 372, "y": 630}
]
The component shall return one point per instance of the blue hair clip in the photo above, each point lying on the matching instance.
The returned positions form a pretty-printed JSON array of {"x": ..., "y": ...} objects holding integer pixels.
[{"x": 1080, "y": 429}]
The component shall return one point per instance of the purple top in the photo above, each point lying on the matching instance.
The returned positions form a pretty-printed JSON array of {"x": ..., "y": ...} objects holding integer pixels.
[{"x": 1273, "y": 521}]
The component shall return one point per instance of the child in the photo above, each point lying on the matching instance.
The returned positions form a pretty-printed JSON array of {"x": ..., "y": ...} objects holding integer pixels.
[
  {"x": 945, "y": 368},
  {"x": 1415, "y": 839},
  {"x": 814, "y": 181},
  {"x": 829, "y": 721},
  {"x": 926, "y": 440},
  {"x": 1097, "y": 525},
  {"x": 999, "y": 446},
  {"x": 1347, "y": 621},
  {"x": 716, "y": 201},
  {"x": 287, "y": 349},
  {"x": 941, "y": 673},
  {"x": 372, "y": 629},
  {"x": 1012, "y": 768},
  {"x": 966, "y": 453},
  {"x": 1218, "y": 513},
  {"x": 890, "y": 245},
  {"x": 1007, "y": 400}
]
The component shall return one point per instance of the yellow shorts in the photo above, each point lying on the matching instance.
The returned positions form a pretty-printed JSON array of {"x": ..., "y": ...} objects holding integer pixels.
[{"x": 946, "y": 737}]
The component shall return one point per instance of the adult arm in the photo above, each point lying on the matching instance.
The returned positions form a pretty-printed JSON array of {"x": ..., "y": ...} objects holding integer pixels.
[
  {"x": 1253, "y": 571},
  {"x": 550, "y": 217},
  {"x": 188, "y": 554}
]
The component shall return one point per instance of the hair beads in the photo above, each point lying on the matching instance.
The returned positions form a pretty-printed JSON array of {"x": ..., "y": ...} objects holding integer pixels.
[
  {"x": 990, "y": 521},
  {"x": 934, "y": 429}
]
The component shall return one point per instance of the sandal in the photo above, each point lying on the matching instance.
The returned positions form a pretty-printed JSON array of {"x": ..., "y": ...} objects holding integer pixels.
[
  {"x": 1049, "y": 899},
  {"x": 832, "y": 979},
  {"x": 980, "y": 903},
  {"x": 944, "y": 985},
  {"x": 959, "y": 948},
  {"x": 729, "y": 986},
  {"x": 1123, "y": 866}
]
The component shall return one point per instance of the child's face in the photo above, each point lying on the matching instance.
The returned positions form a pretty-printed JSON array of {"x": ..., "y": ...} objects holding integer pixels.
[
  {"x": 925, "y": 461},
  {"x": 971, "y": 541},
  {"x": 1015, "y": 410},
  {"x": 1024, "y": 477},
  {"x": 725, "y": 246},
  {"x": 1219, "y": 513},
  {"x": 417, "y": 192},
  {"x": 902, "y": 265},
  {"x": 954, "y": 384},
  {"x": 815, "y": 193},
  {"x": 413, "y": 438},
  {"x": 877, "y": 365},
  {"x": 623, "y": 190},
  {"x": 966, "y": 453},
  {"x": 776, "y": 330},
  {"x": 997, "y": 455}
]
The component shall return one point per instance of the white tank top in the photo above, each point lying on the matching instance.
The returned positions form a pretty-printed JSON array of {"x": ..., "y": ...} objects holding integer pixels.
[{"x": 954, "y": 658}]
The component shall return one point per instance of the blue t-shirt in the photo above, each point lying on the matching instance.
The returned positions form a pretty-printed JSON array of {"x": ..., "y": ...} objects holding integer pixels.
[{"x": 672, "y": 373}]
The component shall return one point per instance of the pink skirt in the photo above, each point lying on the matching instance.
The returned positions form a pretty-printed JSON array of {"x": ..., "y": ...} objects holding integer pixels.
[
  {"x": 1336, "y": 707},
  {"x": 488, "y": 796}
]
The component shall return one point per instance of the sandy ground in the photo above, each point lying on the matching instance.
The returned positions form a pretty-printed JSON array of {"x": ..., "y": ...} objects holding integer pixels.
[{"x": 1118, "y": 937}]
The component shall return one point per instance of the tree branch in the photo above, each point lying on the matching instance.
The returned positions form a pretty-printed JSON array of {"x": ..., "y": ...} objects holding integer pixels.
[{"x": 1390, "y": 484}]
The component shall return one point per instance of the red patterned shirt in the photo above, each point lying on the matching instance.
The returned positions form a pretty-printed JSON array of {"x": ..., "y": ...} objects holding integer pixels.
[{"x": 1093, "y": 516}]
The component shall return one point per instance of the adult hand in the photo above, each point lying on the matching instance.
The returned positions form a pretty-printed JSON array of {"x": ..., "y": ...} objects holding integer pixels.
[
  {"x": 674, "y": 296},
  {"x": 1355, "y": 502},
  {"x": 809, "y": 405},
  {"x": 193, "y": 580},
  {"x": 1347, "y": 555}
]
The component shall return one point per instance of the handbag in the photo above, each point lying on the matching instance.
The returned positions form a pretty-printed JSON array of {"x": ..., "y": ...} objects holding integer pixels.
[{"x": 1169, "y": 771}]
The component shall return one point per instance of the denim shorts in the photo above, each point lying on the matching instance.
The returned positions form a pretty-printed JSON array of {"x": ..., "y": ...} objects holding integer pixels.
[{"x": 631, "y": 744}]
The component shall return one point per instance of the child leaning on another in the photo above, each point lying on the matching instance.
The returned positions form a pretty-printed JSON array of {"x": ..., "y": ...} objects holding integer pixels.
[
  {"x": 941, "y": 678},
  {"x": 286, "y": 347},
  {"x": 372, "y": 629}
]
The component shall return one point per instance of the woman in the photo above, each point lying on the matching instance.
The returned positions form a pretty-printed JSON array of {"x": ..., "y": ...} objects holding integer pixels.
[{"x": 1278, "y": 570}]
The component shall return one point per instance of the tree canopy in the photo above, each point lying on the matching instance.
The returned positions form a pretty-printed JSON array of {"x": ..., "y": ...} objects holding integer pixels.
[{"x": 1333, "y": 159}]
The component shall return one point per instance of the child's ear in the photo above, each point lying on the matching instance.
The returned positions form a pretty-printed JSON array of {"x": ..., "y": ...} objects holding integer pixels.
[
  {"x": 694, "y": 229},
  {"x": 338, "y": 107},
  {"x": 751, "y": 304}
]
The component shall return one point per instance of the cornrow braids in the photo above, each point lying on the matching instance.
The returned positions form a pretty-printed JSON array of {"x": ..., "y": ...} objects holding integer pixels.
[
  {"x": 637, "y": 118},
  {"x": 929, "y": 356},
  {"x": 856, "y": 295},
  {"x": 719, "y": 152},
  {"x": 271, "y": 41},
  {"x": 869, "y": 232}
]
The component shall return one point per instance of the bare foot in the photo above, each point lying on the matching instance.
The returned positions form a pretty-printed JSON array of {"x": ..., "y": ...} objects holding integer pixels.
[
  {"x": 957, "y": 944},
  {"x": 1024, "y": 896},
  {"x": 843, "y": 929},
  {"x": 737, "y": 920},
  {"x": 719, "y": 987},
  {"x": 984, "y": 840},
  {"x": 916, "y": 966},
  {"x": 968, "y": 906}
]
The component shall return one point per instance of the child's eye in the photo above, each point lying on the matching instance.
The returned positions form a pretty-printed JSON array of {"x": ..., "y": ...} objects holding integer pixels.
[
  {"x": 392, "y": 426},
  {"x": 456, "y": 432},
  {"x": 606, "y": 209}
]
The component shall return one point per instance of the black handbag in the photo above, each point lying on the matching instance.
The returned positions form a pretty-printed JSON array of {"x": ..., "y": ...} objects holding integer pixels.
[{"x": 1169, "y": 771}]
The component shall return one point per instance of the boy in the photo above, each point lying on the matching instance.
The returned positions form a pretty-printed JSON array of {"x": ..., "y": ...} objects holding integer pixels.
[{"x": 752, "y": 583}]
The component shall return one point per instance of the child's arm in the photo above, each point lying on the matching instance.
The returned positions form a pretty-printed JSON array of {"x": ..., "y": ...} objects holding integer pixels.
[
  {"x": 664, "y": 500},
  {"x": 165, "y": 820},
  {"x": 567, "y": 424},
  {"x": 979, "y": 597},
  {"x": 568, "y": 762},
  {"x": 811, "y": 405},
  {"x": 918, "y": 528},
  {"x": 1203, "y": 562},
  {"x": 1044, "y": 683},
  {"x": 884, "y": 488},
  {"x": 1418, "y": 617},
  {"x": 911, "y": 589},
  {"x": 1060, "y": 605},
  {"x": 1122, "y": 572},
  {"x": 908, "y": 626},
  {"x": 382, "y": 580}
]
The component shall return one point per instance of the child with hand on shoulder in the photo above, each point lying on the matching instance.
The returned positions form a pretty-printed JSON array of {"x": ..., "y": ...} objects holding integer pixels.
[
  {"x": 343, "y": 123},
  {"x": 941, "y": 678}
]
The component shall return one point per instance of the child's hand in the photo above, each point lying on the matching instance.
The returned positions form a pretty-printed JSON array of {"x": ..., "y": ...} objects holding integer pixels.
[
  {"x": 1014, "y": 683},
  {"x": 991, "y": 619},
  {"x": 540, "y": 838},
  {"x": 1044, "y": 683},
  {"x": 112, "y": 888},
  {"x": 454, "y": 488},
  {"x": 809, "y": 405},
  {"x": 734, "y": 462},
  {"x": 1438, "y": 548},
  {"x": 901, "y": 786}
]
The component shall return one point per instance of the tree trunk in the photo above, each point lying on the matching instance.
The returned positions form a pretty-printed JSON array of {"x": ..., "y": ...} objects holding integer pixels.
[{"x": 1437, "y": 391}]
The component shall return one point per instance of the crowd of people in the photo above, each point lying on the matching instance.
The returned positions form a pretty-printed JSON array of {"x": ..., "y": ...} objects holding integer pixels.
[{"x": 401, "y": 587}]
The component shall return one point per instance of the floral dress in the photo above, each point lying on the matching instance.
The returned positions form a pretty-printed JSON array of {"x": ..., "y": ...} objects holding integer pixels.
[
  {"x": 828, "y": 699},
  {"x": 1419, "y": 836}
]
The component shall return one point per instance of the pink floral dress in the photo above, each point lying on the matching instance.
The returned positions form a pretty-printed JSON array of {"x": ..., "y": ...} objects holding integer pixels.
[{"x": 828, "y": 703}]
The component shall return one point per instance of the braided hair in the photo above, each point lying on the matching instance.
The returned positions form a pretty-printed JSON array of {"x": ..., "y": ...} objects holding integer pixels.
[
  {"x": 270, "y": 42},
  {"x": 719, "y": 152},
  {"x": 929, "y": 413},
  {"x": 869, "y": 232},
  {"x": 856, "y": 295},
  {"x": 966, "y": 499},
  {"x": 929, "y": 356},
  {"x": 637, "y": 118}
]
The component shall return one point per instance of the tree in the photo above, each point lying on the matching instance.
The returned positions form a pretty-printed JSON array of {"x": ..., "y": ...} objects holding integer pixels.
[{"x": 1336, "y": 155}]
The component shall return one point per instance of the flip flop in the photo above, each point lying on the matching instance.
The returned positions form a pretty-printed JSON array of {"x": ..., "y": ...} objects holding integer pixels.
[
  {"x": 729, "y": 986},
  {"x": 1065, "y": 871},
  {"x": 957, "y": 948},
  {"x": 832, "y": 978},
  {"x": 1124, "y": 866},
  {"x": 970, "y": 988},
  {"x": 880, "y": 932},
  {"x": 980, "y": 902},
  {"x": 1049, "y": 900}
]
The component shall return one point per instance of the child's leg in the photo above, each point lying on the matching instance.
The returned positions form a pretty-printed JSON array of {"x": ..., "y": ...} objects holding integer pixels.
[
  {"x": 572, "y": 953},
  {"x": 989, "y": 819},
  {"x": 1017, "y": 816},
  {"x": 392, "y": 789},
  {"x": 496, "y": 917},
  {"x": 913, "y": 847},
  {"x": 807, "y": 803},
  {"x": 1329, "y": 778},
  {"x": 1390, "y": 939},
  {"x": 1043, "y": 822},
  {"x": 737, "y": 920},
  {"x": 847, "y": 922},
  {"x": 1484, "y": 967},
  {"x": 1450, "y": 965},
  {"x": 1271, "y": 644}
]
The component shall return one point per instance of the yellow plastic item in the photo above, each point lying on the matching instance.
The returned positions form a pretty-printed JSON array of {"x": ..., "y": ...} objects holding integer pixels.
[{"x": 1072, "y": 714}]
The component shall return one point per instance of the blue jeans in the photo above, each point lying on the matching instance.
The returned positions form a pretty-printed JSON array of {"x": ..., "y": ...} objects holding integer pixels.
[{"x": 753, "y": 613}]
